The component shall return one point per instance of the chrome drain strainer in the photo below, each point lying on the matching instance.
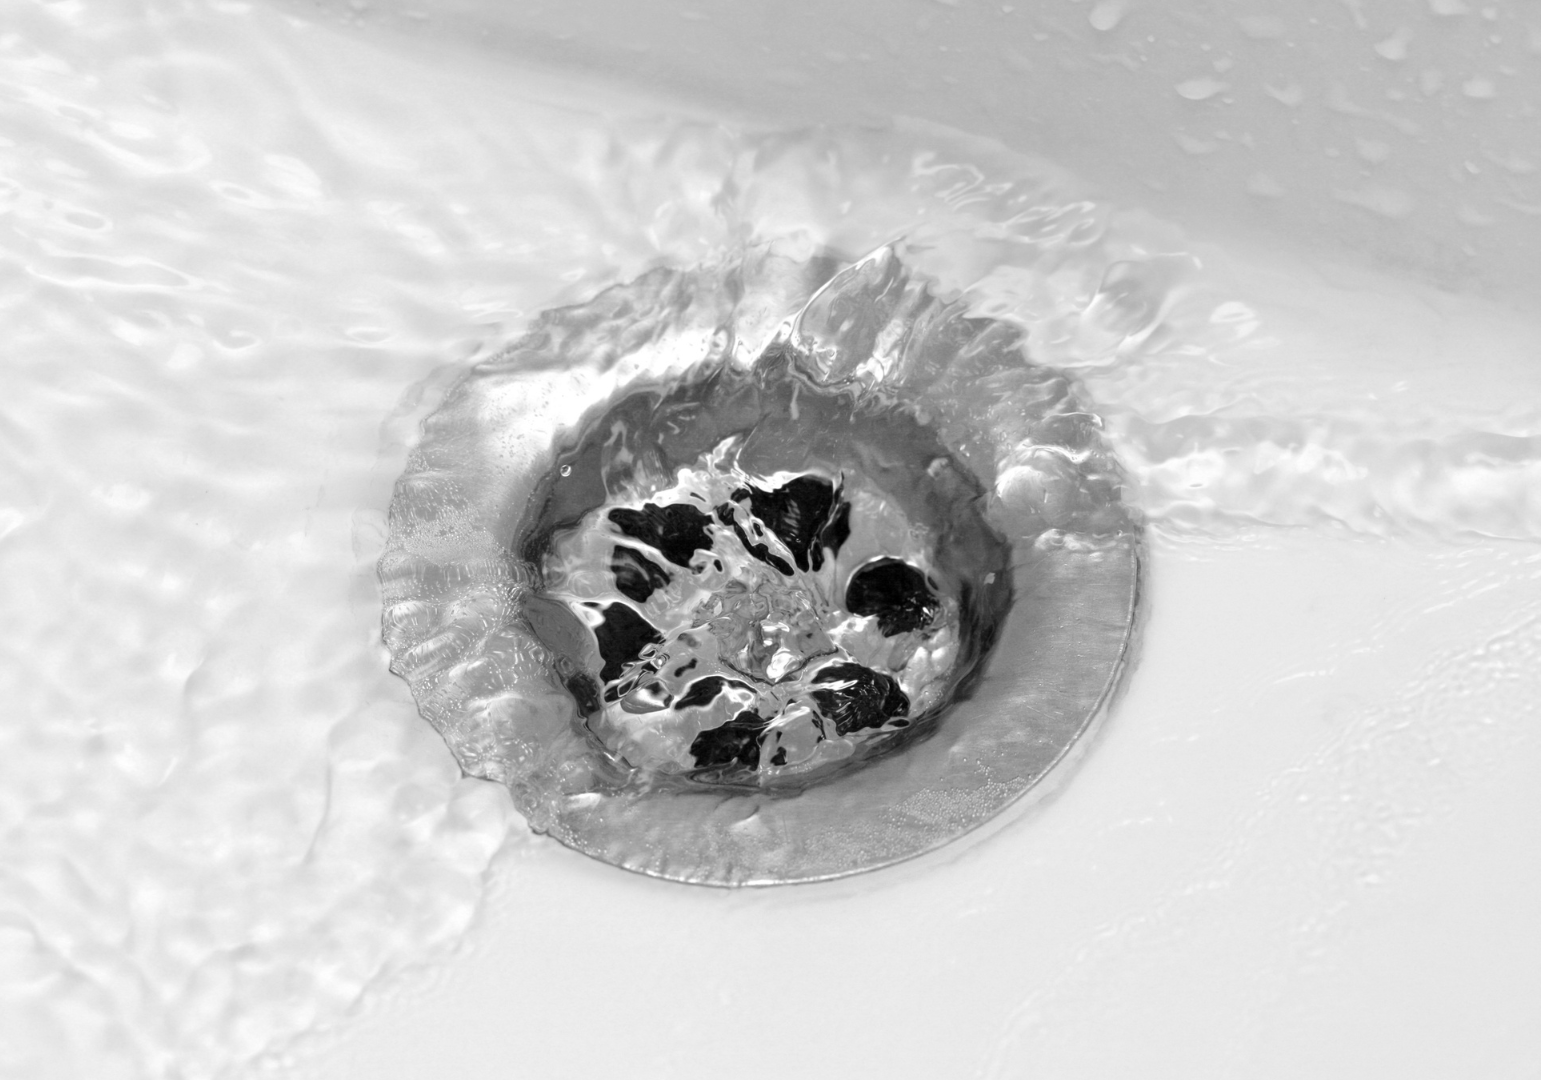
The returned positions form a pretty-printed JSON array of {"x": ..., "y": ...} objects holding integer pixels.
[{"x": 736, "y": 601}]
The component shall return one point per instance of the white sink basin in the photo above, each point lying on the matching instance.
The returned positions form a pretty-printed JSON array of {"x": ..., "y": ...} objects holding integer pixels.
[{"x": 250, "y": 247}]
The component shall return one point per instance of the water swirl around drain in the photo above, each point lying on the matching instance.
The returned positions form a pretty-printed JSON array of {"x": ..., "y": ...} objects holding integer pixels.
[
  {"x": 738, "y": 601},
  {"x": 772, "y": 581}
]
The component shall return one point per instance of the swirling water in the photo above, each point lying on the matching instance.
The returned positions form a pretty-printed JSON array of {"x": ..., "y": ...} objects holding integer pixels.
[{"x": 244, "y": 253}]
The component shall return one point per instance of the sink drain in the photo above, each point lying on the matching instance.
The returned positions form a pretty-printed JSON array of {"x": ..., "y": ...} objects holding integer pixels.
[{"x": 735, "y": 613}]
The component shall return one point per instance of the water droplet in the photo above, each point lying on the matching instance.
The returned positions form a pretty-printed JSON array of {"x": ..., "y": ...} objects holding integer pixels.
[
  {"x": 1479, "y": 88},
  {"x": 1448, "y": 7},
  {"x": 567, "y": 470},
  {"x": 1200, "y": 89},
  {"x": 1395, "y": 47},
  {"x": 1130, "y": 302},
  {"x": 1106, "y": 15}
]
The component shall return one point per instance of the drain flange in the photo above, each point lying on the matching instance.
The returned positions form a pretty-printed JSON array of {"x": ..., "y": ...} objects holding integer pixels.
[{"x": 734, "y": 613}]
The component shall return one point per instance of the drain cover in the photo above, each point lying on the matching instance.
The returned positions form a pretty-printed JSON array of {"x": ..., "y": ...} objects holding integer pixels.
[{"x": 733, "y": 601}]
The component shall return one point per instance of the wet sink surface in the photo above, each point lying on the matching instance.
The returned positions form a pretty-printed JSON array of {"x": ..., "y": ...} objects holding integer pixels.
[{"x": 249, "y": 252}]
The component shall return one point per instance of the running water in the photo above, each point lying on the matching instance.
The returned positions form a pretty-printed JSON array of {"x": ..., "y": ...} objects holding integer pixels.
[{"x": 237, "y": 241}]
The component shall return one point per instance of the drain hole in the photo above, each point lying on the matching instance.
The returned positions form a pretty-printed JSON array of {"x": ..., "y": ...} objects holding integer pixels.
[{"x": 897, "y": 593}]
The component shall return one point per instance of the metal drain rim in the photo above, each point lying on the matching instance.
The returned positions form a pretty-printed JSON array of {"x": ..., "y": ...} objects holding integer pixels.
[{"x": 453, "y": 588}]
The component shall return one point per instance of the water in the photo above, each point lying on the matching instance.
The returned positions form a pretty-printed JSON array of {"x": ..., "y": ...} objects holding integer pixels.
[{"x": 245, "y": 255}]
